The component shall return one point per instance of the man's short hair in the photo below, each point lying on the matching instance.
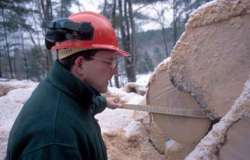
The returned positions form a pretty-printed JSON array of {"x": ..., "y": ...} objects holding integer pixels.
[{"x": 68, "y": 62}]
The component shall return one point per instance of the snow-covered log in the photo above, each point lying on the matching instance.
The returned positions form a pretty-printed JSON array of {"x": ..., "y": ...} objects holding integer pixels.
[
  {"x": 210, "y": 145},
  {"x": 211, "y": 60},
  {"x": 185, "y": 130}
]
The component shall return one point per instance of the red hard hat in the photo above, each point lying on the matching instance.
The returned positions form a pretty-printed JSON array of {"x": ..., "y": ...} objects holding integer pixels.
[{"x": 104, "y": 36}]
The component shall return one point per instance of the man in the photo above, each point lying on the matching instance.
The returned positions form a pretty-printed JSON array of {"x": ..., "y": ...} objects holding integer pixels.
[{"x": 57, "y": 122}]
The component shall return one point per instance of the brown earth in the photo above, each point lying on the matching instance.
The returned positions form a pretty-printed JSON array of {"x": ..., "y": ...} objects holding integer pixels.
[{"x": 120, "y": 147}]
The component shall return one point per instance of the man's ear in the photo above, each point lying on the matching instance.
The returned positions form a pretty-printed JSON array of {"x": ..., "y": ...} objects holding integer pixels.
[
  {"x": 79, "y": 61},
  {"x": 77, "y": 67}
]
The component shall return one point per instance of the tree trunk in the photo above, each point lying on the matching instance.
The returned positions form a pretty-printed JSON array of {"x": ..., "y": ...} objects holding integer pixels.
[
  {"x": 1, "y": 55},
  {"x": 9, "y": 58},
  {"x": 125, "y": 38},
  {"x": 164, "y": 34},
  {"x": 14, "y": 67},
  {"x": 7, "y": 49},
  {"x": 129, "y": 62},
  {"x": 37, "y": 44},
  {"x": 46, "y": 7},
  {"x": 116, "y": 76},
  {"x": 133, "y": 49},
  {"x": 62, "y": 14},
  {"x": 24, "y": 59},
  {"x": 174, "y": 21},
  {"x": 104, "y": 11}
]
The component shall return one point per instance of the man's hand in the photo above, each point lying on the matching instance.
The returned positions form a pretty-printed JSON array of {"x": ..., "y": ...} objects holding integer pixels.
[{"x": 113, "y": 102}]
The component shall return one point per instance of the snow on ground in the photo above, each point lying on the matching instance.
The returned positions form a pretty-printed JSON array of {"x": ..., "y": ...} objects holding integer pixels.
[
  {"x": 131, "y": 98},
  {"x": 10, "y": 105},
  {"x": 123, "y": 132},
  {"x": 17, "y": 83},
  {"x": 142, "y": 79},
  {"x": 113, "y": 120}
]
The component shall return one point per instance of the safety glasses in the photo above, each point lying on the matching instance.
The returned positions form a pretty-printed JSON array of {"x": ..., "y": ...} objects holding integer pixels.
[{"x": 112, "y": 63}]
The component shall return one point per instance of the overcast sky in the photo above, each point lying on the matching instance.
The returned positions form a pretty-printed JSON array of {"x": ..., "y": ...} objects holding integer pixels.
[{"x": 90, "y": 5}]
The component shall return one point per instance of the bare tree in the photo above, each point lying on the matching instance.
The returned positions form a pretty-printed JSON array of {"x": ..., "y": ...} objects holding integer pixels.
[
  {"x": 1, "y": 55},
  {"x": 126, "y": 27},
  {"x": 114, "y": 22},
  {"x": 104, "y": 11},
  {"x": 26, "y": 70},
  {"x": 46, "y": 14},
  {"x": 174, "y": 21},
  {"x": 7, "y": 46},
  {"x": 161, "y": 19}
]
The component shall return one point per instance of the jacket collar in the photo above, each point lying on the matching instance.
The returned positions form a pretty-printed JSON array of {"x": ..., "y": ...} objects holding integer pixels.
[{"x": 65, "y": 81}]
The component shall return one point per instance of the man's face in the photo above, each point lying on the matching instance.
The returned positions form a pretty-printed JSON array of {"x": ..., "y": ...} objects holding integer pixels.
[{"x": 99, "y": 71}]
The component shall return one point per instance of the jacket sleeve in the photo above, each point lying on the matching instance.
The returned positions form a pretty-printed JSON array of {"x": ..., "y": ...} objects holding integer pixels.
[{"x": 52, "y": 152}]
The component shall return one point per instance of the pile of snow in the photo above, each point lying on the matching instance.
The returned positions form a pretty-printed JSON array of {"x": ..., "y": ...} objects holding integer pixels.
[
  {"x": 113, "y": 121},
  {"x": 143, "y": 79},
  {"x": 131, "y": 98},
  {"x": 10, "y": 106},
  {"x": 17, "y": 83}
]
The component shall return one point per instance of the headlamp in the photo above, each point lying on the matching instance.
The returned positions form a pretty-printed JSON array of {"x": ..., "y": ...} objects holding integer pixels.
[{"x": 64, "y": 29}]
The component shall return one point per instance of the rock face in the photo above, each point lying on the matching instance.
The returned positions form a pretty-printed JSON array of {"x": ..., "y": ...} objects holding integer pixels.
[{"x": 211, "y": 61}]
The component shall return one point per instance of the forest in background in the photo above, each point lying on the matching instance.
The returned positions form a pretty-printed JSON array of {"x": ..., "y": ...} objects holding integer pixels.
[{"x": 23, "y": 26}]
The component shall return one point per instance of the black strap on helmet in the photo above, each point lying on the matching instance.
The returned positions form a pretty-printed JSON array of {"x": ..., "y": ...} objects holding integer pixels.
[{"x": 64, "y": 29}]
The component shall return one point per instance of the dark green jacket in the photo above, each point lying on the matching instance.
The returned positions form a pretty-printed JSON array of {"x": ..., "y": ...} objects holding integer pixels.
[{"x": 57, "y": 122}]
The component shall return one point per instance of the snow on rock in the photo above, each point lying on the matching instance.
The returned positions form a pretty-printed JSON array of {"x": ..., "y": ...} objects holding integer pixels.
[
  {"x": 210, "y": 144},
  {"x": 133, "y": 131}
]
